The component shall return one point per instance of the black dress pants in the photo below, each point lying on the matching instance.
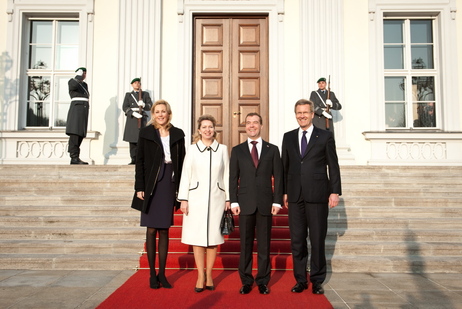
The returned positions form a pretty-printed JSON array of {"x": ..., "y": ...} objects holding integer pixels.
[
  {"x": 304, "y": 217},
  {"x": 133, "y": 147},
  {"x": 74, "y": 145},
  {"x": 248, "y": 224}
]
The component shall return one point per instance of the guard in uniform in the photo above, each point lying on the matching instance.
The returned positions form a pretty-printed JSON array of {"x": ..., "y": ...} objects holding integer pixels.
[
  {"x": 77, "y": 117},
  {"x": 134, "y": 106},
  {"x": 320, "y": 100}
]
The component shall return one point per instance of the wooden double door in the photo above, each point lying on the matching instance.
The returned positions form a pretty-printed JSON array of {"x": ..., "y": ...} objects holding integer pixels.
[{"x": 231, "y": 73}]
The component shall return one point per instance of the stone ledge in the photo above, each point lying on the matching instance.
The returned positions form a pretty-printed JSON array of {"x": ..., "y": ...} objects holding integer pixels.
[
  {"x": 419, "y": 148},
  {"x": 41, "y": 147}
]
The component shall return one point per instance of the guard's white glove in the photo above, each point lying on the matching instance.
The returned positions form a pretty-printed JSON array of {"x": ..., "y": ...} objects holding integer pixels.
[
  {"x": 141, "y": 103},
  {"x": 327, "y": 115},
  {"x": 329, "y": 102},
  {"x": 137, "y": 115}
]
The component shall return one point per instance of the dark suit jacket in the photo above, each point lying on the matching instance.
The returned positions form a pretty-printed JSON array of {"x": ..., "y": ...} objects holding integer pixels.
[
  {"x": 308, "y": 175},
  {"x": 252, "y": 187}
]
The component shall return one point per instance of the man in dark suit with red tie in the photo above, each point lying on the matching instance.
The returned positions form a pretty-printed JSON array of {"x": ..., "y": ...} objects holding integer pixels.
[
  {"x": 312, "y": 185},
  {"x": 253, "y": 164}
]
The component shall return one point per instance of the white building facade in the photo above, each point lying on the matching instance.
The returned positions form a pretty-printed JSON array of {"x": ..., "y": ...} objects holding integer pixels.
[{"x": 394, "y": 65}]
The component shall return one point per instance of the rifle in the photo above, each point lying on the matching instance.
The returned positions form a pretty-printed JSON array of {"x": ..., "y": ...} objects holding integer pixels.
[
  {"x": 140, "y": 97},
  {"x": 328, "y": 107}
]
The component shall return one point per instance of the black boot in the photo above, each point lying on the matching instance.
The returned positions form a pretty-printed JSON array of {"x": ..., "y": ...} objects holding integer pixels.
[
  {"x": 163, "y": 281},
  {"x": 77, "y": 161},
  {"x": 153, "y": 283}
]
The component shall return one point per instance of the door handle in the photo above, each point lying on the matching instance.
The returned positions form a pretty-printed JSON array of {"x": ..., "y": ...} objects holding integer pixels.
[{"x": 236, "y": 113}]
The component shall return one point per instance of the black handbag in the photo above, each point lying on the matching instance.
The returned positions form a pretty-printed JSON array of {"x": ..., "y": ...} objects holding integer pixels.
[{"x": 227, "y": 223}]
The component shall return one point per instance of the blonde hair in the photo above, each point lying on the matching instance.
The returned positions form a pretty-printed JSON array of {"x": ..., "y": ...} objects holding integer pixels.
[
  {"x": 169, "y": 112},
  {"x": 197, "y": 136}
]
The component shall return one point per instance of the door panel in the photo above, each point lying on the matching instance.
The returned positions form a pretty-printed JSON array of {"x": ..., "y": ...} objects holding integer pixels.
[{"x": 231, "y": 73}]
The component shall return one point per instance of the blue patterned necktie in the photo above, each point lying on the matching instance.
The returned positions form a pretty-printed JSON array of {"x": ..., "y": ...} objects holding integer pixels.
[{"x": 303, "y": 144}]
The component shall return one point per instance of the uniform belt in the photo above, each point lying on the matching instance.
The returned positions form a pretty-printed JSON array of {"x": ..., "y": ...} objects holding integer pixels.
[
  {"x": 79, "y": 99},
  {"x": 135, "y": 109}
]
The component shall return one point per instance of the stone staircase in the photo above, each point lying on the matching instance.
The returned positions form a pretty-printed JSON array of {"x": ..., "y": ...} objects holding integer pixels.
[{"x": 391, "y": 219}]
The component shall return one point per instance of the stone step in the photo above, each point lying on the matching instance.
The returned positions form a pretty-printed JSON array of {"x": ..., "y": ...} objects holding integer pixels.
[
  {"x": 345, "y": 201},
  {"x": 75, "y": 246},
  {"x": 391, "y": 234},
  {"x": 338, "y": 212},
  {"x": 133, "y": 221},
  {"x": 392, "y": 201},
  {"x": 63, "y": 210},
  {"x": 277, "y": 233},
  {"x": 8, "y": 185},
  {"x": 72, "y": 233},
  {"x": 66, "y": 170},
  {"x": 70, "y": 261},
  {"x": 70, "y": 200},
  {"x": 94, "y": 189},
  {"x": 399, "y": 171},
  {"x": 394, "y": 264},
  {"x": 344, "y": 248},
  {"x": 389, "y": 219},
  {"x": 395, "y": 212},
  {"x": 402, "y": 192},
  {"x": 390, "y": 264},
  {"x": 49, "y": 193}
]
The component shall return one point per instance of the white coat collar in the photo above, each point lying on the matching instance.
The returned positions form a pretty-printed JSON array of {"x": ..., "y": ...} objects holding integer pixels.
[{"x": 214, "y": 147}]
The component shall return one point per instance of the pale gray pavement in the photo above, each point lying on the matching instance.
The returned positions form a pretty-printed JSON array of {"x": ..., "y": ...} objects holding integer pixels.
[{"x": 62, "y": 289}]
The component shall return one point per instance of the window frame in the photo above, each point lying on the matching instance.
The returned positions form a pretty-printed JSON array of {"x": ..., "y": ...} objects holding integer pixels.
[
  {"x": 52, "y": 73},
  {"x": 408, "y": 73}
]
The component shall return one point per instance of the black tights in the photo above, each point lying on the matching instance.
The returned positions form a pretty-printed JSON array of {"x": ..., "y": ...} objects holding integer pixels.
[{"x": 151, "y": 250}]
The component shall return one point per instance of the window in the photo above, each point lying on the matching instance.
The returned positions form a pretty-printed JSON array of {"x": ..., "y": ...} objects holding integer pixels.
[
  {"x": 410, "y": 73},
  {"x": 53, "y": 57}
]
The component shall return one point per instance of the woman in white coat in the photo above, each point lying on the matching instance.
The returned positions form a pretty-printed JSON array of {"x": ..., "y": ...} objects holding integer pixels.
[{"x": 204, "y": 195}]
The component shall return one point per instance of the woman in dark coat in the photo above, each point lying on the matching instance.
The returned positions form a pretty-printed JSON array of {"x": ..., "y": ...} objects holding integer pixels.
[{"x": 161, "y": 151}]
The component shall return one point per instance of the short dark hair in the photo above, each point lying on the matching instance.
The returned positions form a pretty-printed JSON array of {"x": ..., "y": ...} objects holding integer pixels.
[
  {"x": 304, "y": 102},
  {"x": 254, "y": 114}
]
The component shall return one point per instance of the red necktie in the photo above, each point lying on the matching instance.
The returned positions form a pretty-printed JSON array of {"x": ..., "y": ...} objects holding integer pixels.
[{"x": 254, "y": 153}]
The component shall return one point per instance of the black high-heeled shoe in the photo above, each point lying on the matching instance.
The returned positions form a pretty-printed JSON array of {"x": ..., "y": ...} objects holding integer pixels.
[
  {"x": 208, "y": 287},
  {"x": 163, "y": 281},
  {"x": 153, "y": 283},
  {"x": 198, "y": 290}
]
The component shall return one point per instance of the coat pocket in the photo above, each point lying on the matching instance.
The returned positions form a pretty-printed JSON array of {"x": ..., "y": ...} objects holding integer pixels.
[
  {"x": 194, "y": 188},
  {"x": 219, "y": 187}
]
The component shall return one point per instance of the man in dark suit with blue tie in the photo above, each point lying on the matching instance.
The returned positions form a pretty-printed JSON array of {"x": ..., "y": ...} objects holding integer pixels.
[
  {"x": 253, "y": 165},
  {"x": 311, "y": 185}
]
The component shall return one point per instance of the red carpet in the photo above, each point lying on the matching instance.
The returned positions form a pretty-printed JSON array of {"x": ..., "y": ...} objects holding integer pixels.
[{"x": 135, "y": 293}]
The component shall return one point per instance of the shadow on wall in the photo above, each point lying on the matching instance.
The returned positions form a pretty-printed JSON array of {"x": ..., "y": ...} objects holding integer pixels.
[
  {"x": 338, "y": 225},
  {"x": 111, "y": 135},
  {"x": 8, "y": 89}
]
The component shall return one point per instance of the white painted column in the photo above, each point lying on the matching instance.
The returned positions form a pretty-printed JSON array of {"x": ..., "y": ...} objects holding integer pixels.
[
  {"x": 139, "y": 56},
  {"x": 322, "y": 55}
]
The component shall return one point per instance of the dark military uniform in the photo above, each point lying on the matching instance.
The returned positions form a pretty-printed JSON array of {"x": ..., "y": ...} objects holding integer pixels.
[
  {"x": 132, "y": 130},
  {"x": 319, "y": 120},
  {"x": 77, "y": 117}
]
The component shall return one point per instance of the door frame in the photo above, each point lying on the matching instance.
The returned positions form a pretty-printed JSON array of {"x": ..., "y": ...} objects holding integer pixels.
[{"x": 274, "y": 9}]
